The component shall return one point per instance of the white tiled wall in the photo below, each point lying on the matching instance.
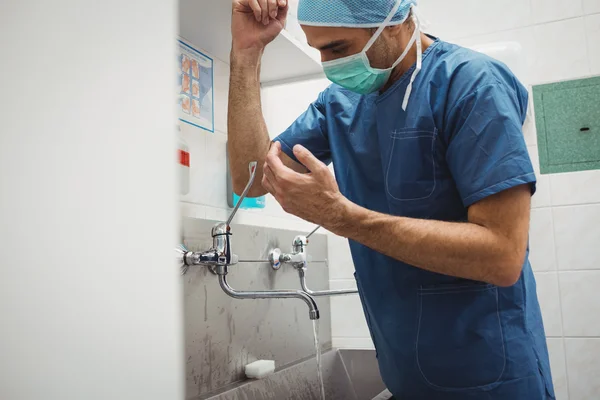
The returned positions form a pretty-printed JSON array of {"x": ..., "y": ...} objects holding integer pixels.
[
  {"x": 556, "y": 348},
  {"x": 583, "y": 364},
  {"x": 561, "y": 50},
  {"x": 560, "y": 41},
  {"x": 575, "y": 188},
  {"x": 591, "y": 6},
  {"x": 549, "y": 297},
  {"x": 541, "y": 240},
  {"x": 555, "y": 10},
  {"x": 463, "y": 18},
  {"x": 592, "y": 25},
  {"x": 576, "y": 237},
  {"x": 580, "y": 303}
]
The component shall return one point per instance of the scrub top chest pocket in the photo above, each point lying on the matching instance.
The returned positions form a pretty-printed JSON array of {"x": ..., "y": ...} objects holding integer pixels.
[{"x": 411, "y": 171}]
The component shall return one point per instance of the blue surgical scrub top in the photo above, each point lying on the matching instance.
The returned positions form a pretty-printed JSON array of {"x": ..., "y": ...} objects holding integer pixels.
[{"x": 459, "y": 141}]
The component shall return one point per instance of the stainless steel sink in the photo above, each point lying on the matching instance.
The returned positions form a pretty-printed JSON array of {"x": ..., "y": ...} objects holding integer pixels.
[{"x": 348, "y": 375}]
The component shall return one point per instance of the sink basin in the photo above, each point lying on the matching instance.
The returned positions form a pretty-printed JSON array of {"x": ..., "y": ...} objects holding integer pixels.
[{"x": 347, "y": 375}]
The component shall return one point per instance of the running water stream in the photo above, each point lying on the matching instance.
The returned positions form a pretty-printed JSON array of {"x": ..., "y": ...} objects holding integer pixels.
[{"x": 318, "y": 349}]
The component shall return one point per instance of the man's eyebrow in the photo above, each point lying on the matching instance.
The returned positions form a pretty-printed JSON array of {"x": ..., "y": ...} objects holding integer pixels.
[{"x": 332, "y": 45}]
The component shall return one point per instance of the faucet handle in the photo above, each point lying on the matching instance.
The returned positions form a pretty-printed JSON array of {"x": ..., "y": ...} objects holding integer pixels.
[
  {"x": 299, "y": 244},
  {"x": 252, "y": 171},
  {"x": 275, "y": 258},
  {"x": 313, "y": 231}
]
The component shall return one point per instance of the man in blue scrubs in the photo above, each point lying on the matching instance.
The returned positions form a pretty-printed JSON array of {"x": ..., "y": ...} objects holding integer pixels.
[{"x": 432, "y": 187}]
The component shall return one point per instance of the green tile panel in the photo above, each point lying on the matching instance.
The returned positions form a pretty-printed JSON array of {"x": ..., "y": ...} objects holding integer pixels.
[{"x": 568, "y": 125}]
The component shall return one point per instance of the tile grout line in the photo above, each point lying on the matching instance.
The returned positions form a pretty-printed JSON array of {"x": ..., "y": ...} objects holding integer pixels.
[
  {"x": 595, "y": 203},
  {"x": 562, "y": 319},
  {"x": 576, "y": 337},
  {"x": 566, "y": 271},
  {"x": 531, "y": 10},
  {"x": 551, "y": 206},
  {"x": 587, "y": 43}
]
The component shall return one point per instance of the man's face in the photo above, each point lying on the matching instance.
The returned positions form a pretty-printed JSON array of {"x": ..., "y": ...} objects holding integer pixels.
[{"x": 334, "y": 43}]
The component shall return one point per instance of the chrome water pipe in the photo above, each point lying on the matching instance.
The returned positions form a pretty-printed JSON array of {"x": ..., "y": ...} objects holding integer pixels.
[
  {"x": 313, "y": 310},
  {"x": 322, "y": 293},
  {"x": 298, "y": 259},
  {"x": 220, "y": 257}
]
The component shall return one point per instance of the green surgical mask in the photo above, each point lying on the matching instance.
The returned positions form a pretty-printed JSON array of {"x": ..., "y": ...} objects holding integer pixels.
[{"x": 355, "y": 72}]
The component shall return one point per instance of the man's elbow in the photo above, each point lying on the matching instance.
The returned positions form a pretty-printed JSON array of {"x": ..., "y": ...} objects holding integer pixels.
[
  {"x": 509, "y": 270},
  {"x": 256, "y": 190},
  {"x": 239, "y": 183}
]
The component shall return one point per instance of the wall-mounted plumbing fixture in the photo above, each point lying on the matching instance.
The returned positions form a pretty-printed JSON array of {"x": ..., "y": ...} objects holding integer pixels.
[
  {"x": 298, "y": 259},
  {"x": 220, "y": 257}
]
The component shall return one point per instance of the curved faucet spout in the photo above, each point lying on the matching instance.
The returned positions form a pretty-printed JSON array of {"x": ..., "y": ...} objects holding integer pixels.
[
  {"x": 320, "y": 293},
  {"x": 272, "y": 294}
]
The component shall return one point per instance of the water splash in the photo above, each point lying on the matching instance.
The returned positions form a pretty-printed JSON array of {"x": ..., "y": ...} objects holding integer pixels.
[{"x": 318, "y": 350}]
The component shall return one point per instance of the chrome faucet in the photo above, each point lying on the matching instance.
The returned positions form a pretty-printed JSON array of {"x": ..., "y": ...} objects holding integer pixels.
[
  {"x": 220, "y": 257},
  {"x": 298, "y": 259}
]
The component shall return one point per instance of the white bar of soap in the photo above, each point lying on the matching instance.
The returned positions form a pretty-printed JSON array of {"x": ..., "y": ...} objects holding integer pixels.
[
  {"x": 260, "y": 369},
  {"x": 385, "y": 395}
]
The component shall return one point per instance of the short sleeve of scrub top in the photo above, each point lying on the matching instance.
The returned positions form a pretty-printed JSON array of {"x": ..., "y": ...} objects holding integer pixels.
[
  {"x": 486, "y": 151},
  {"x": 310, "y": 131}
]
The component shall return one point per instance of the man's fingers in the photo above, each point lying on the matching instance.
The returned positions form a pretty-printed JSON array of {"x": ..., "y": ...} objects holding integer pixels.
[
  {"x": 275, "y": 149},
  {"x": 256, "y": 9},
  {"x": 264, "y": 8},
  {"x": 268, "y": 173},
  {"x": 307, "y": 159},
  {"x": 282, "y": 3},
  {"x": 268, "y": 181},
  {"x": 267, "y": 185},
  {"x": 273, "y": 159},
  {"x": 273, "y": 8},
  {"x": 282, "y": 14},
  {"x": 285, "y": 176}
]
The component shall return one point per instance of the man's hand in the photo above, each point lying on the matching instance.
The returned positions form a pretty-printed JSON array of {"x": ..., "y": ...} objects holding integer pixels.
[
  {"x": 256, "y": 23},
  {"x": 314, "y": 197}
]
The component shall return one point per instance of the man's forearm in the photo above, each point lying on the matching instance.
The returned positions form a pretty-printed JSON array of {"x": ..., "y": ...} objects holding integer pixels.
[
  {"x": 248, "y": 138},
  {"x": 464, "y": 250}
]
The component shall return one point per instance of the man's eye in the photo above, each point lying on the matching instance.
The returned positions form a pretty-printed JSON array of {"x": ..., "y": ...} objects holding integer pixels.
[{"x": 339, "y": 51}]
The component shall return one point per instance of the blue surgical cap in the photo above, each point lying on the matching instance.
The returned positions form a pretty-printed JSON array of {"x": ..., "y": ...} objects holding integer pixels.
[{"x": 351, "y": 13}]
